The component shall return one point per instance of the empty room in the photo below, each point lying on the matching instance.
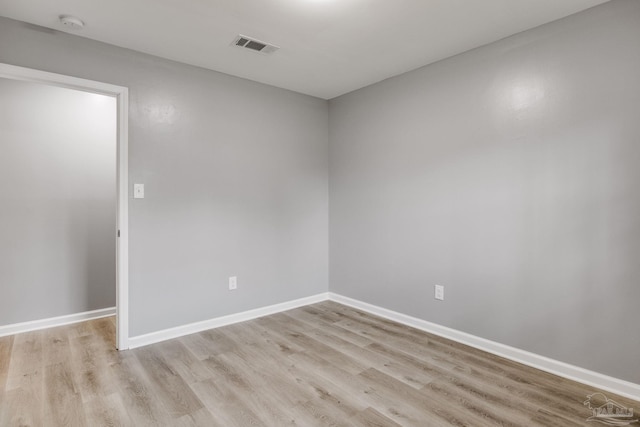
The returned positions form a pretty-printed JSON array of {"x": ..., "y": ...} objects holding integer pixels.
[{"x": 319, "y": 213}]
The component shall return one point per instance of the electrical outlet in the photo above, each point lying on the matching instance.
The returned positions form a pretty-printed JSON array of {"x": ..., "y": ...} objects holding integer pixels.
[
  {"x": 439, "y": 292},
  {"x": 233, "y": 283}
]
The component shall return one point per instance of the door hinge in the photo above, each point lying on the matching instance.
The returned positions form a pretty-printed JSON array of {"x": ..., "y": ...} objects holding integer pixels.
[{"x": 118, "y": 233}]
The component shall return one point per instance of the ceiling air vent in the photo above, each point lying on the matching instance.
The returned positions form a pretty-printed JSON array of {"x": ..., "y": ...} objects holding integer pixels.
[{"x": 253, "y": 44}]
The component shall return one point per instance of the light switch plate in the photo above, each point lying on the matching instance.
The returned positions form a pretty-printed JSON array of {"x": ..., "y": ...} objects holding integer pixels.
[{"x": 138, "y": 191}]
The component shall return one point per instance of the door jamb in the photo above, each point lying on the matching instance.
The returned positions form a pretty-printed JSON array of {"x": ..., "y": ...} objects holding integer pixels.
[{"x": 121, "y": 94}]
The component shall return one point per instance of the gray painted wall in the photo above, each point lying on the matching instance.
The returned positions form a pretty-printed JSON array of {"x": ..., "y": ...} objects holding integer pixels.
[
  {"x": 235, "y": 176},
  {"x": 58, "y": 211},
  {"x": 508, "y": 174}
]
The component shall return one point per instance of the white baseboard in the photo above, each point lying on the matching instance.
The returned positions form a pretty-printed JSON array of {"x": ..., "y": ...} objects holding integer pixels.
[
  {"x": 34, "y": 325},
  {"x": 192, "y": 328},
  {"x": 565, "y": 370}
]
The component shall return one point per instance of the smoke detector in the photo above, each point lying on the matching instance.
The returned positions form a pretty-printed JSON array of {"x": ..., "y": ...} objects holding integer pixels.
[
  {"x": 250, "y": 43},
  {"x": 71, "y": 22}
]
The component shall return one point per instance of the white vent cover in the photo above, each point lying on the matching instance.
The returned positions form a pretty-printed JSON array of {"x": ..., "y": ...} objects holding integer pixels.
[{"x": 250, "y": 43}]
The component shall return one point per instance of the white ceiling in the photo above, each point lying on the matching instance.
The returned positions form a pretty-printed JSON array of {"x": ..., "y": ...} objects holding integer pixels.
[{"x": 328, "y": 47}]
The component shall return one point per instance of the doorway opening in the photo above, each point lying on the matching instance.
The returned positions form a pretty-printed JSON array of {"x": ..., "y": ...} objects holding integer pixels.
[{"x": 110, "y": 93}]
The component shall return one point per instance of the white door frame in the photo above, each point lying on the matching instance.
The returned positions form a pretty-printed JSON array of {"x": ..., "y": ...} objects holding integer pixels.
[{"x": 122, "y": 176}]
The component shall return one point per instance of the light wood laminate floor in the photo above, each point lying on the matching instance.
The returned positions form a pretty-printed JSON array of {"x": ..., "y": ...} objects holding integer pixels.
[{"x": 324, "y": 364}]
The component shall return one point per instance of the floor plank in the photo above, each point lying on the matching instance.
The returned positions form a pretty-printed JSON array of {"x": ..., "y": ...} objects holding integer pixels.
[
  {"x": 6, "y": 348},
  {"x": 63, "y": 403}
]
